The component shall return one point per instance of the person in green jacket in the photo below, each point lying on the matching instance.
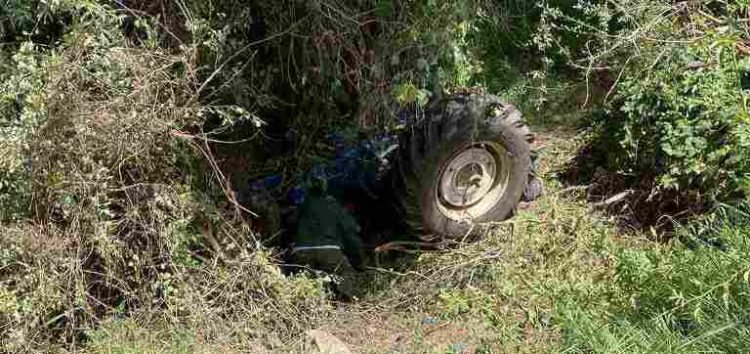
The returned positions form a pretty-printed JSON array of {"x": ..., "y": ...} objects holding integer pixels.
[{"x": 328, "y": 237}]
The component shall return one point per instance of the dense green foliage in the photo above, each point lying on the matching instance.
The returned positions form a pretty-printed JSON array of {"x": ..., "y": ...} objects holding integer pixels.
[
  {"x": 105, "y": 211},
  {"x": 684, "y": 120},
  {"x": 676, "y": 118}
]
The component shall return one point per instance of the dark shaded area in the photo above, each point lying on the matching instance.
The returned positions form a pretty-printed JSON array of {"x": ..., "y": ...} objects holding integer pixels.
[
  {"x": 170, "y": 21},
  {"x": 33, "y": 21}
]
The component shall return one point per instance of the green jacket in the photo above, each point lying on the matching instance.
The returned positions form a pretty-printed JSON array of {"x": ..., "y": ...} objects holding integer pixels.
[{"x": 324, "y": 222}]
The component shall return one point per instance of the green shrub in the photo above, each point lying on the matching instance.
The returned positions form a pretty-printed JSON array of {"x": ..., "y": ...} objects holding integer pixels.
[
  {"x": 529, "y": 52},
  {"x": 675, "y": 114},
  {"x": 686, "y": 128},
  {"x": 22, "y": 109}
]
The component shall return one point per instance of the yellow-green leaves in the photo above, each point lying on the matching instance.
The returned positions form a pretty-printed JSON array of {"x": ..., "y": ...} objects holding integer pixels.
[{"x": 408, "y": 94}]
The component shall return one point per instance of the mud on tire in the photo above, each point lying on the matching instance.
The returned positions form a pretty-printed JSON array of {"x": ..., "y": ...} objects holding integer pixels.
[{"x": 467, "y": 161}]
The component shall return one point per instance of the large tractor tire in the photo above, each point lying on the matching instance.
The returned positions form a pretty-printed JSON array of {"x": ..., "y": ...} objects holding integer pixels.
[{"x": 467, "y": 161}]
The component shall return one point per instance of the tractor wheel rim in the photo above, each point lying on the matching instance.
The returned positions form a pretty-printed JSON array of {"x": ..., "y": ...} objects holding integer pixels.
[{"x": 473, "y": 180}]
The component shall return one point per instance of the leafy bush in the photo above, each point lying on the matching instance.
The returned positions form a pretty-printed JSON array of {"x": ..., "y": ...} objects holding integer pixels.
[
  {"x": 675, "y": 119},
  {"x": 22, "y": 110},
  {"x": 687, "y": 127}
]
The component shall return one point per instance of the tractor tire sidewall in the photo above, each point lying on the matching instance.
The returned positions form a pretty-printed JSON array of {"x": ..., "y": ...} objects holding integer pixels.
[{"x": 457, "y": 134}]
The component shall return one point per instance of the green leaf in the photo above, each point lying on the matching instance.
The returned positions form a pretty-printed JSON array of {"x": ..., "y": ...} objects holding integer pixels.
[{"x": 383, "y": 8}]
